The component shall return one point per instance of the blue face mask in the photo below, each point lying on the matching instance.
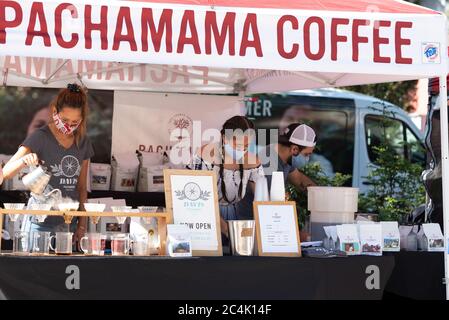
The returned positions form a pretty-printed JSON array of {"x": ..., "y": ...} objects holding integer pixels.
[
  {"x": 235, "y": 154},
  {"x": 300, "y": 161},
  {"x": 252, "y": 148}
]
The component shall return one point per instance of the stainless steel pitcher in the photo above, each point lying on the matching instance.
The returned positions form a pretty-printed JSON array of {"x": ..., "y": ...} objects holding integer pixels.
[
  {"x": 37, "y": 180},
  {"x": 242, "y": 236}
]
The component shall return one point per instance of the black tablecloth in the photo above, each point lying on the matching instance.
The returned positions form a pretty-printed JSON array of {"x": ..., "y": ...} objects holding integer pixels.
[
  {"x": 193, "y": 278},
  {"x": 417, "y": 275}
]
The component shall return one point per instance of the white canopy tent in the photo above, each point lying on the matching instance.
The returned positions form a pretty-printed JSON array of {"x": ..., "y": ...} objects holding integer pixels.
[{"x": 224, "y": 46}]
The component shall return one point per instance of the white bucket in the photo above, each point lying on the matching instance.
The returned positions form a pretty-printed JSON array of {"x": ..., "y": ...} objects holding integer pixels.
[
  {"x": 332, "y": 218},
  {"x": 332, "y": 199}
]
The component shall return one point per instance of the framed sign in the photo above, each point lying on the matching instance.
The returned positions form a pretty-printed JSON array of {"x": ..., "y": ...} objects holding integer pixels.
[
  {"x": 191, "y": 199},
  {"x": 277, "y": 229}
]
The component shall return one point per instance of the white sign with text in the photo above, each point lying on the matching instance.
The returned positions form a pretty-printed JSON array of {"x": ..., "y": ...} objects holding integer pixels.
[{"x": 194, "y": 206}]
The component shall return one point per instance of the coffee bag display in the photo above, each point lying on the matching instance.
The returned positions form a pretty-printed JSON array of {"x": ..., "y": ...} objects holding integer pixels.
[
  {"x": 348, "y": 239},
  {"x": 125, "y": 172},
  {"x": 179, "y": 241},
  {"x": 331, "y": 240},
  {"x": 370, "y": 239},
  {"x": 391, "y": 236},
  {"x": 151, "y": 179},
  {"x": 433, "y": 239},
  {"x": 100, "y": 176},
  {"x": 151, "y": 172}
]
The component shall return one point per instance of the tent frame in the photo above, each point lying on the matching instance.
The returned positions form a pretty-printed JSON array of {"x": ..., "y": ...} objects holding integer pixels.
[{"x": 444, "y": 128}]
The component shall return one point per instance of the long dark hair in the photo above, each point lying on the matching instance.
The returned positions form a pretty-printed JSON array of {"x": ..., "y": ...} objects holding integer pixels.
[{"x": 232, "y": 124}]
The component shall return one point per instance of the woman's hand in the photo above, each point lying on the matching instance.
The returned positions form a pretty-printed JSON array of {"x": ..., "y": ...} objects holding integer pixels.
[{"x": 30, "y": 159}]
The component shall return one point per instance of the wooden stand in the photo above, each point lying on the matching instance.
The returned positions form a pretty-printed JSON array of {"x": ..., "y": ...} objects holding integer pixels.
[{"x": 162, "y": 219}]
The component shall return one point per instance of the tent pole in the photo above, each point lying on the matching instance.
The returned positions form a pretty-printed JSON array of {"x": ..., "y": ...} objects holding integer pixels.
[
  {"x": 102, "y": 70},
  {"x": 21, "y": 75},
  {"x": 45, "y": 81},
  {"x": 442, "y": 101},
  {"x": 5, "y": 77}
]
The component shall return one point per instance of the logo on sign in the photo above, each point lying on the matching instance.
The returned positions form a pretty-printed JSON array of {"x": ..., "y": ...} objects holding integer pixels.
[
  {"x": 180, "y": 126},
  {"x": 431, "y": 52},
  {"x": 193, "y": 192}
]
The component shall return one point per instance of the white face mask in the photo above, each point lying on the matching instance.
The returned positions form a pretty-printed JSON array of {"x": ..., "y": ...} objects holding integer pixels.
[{"x": 235, "y": 154}]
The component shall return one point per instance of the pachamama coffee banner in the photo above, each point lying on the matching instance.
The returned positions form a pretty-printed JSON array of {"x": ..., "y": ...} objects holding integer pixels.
[{"x": 378, "y": 37}]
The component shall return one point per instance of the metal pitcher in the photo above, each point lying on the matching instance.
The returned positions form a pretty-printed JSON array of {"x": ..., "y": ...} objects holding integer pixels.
[
  {"x": 242, "y": 236},
  {"x": 37, "y": 180}
]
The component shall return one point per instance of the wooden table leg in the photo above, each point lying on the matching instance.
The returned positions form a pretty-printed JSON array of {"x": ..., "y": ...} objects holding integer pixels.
[{"x": 162, "y": 230}]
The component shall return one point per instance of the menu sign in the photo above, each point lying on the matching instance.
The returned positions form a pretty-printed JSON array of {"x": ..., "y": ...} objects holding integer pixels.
[{"x": 277, "y": 229}]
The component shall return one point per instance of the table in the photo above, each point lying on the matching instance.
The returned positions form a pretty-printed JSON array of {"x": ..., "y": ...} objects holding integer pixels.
[
  {"x": 205, "y": 278},
  {"x": 417, "y": 275}
]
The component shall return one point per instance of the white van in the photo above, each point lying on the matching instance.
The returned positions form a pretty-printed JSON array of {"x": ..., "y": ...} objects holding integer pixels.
[{"x": 348, "y": 126}]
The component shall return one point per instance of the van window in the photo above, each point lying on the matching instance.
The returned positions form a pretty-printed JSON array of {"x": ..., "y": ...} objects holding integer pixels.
[
  {"x": 415, "y": 151},
  {"x": 332, "y": 119},
  {"x": 397, "y": 135}
]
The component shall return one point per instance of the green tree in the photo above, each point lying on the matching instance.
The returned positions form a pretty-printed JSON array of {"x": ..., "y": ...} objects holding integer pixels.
[
  {"x": 395, "y": 182},
  {"x": 396, "y": 187},
  {"x": 398, "y": 93}
]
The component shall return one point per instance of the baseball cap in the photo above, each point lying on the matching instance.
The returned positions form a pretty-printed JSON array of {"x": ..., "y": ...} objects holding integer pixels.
[{"x": 299, "y": 134}]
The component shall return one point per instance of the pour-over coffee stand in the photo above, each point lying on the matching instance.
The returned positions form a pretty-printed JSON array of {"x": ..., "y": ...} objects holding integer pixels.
[
  {"x": 396, "y": 44},
  {"x": 162, "y": 219}
]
